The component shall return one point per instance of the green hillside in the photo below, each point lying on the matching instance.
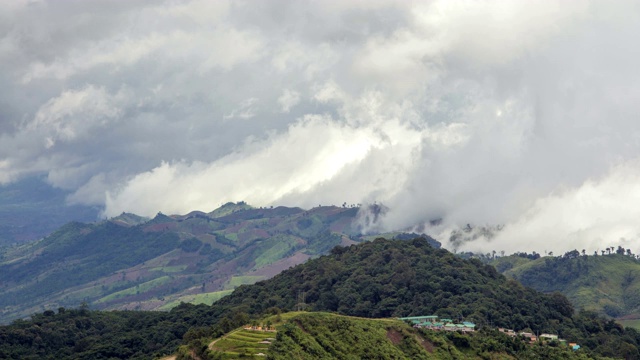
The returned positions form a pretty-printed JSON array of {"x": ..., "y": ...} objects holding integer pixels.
[
  {"x": 608, "y": 284},
  {"x": 133, "y": 263},
  {"x": 331, "y": 336},
  {"x": 379, "y": 279},
  {"x": 319, "y": 335},
  {"x": 403, "y": 278},
  {"x": 243, "y": 343}
]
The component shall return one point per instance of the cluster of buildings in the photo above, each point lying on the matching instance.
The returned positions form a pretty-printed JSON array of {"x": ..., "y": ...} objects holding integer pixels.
[
  {"x": 543, "y": 337},
  {"x": 434, "y": 323}
]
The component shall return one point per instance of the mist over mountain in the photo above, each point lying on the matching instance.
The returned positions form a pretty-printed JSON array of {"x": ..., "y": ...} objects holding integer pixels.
[
  {"x": 501, "y": 113},
  {"x": 31, "y": 209}
]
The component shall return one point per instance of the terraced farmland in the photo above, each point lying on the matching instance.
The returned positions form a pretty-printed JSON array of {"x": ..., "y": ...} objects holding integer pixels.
[{"x": 245, "y": 343}]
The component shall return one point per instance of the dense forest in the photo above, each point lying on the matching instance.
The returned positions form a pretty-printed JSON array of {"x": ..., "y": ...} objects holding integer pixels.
[
  {"x": 85, "y": 334},
  {"x": 402, "y": 278},
  {"x": 382, "y": 278}
]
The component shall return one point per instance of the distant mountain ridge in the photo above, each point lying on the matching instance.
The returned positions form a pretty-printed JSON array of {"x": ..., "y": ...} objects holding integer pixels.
[
  {"x": 608, "y": 284},
  {"x": 130, "y": 262}
]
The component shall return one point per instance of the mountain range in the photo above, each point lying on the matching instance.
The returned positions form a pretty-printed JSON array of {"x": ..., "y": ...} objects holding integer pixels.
[{"x": 131, "y": 262}]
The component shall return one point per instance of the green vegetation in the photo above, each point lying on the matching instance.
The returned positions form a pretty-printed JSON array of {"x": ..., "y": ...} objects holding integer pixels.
[
  {"x": 169, "y": 269},
  {"x": 321, "y": 335},
  {"x": 191, "y": 245},
  {"x": 243, "y": 343},
  {"x": 236, "y": 281},
  {"x": 378, "y": 279},
  {"x": 228, "y": 209},
  {"x": 633, "y": 323},
  {"x": 608, "y": 284},
  {"x": 329, "y": 336},
  {"x": 401, "y": 278},
  {"x": 141, "y": 288},
  {"x": 209, "y": 298},
  {"x": 323, "y": 242},
  {"x": 113, "y": 264},
  {"x": 274, "y": 249},
  {"x": 196, "y": 299},
  {"x": 77, "y": 254},
  {"x": 85, "y": 334}
]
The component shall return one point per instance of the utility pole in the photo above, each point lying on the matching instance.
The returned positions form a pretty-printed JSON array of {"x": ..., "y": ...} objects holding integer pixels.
[{"x": 300, "y": 300}]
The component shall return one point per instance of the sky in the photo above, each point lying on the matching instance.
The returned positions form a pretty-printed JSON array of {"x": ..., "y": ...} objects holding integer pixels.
[{"x": 522, "y": 114}]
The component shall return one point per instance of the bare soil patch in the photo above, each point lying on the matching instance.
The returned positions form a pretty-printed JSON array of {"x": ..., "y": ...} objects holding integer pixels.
[
  {"x": 426, "y": 344},
  {"x": 395, "y": 336}
]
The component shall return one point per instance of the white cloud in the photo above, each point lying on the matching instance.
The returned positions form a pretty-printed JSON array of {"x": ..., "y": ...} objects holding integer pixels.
[
  {"x": 245, "y": 110},
  {"x": 218, "y": 48},
  {"x": 593, "y": 216},
  {"x": 5, "y": 175},
  {"x": 471, "y": 111},
  {"x": 74, "y": 112},
  {"x": 312, "y": 151},
  {"x": 288, "y": 99}
]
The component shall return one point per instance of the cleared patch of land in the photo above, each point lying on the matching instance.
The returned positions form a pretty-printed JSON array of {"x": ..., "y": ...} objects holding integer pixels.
[{"x": 206, "y": 298}]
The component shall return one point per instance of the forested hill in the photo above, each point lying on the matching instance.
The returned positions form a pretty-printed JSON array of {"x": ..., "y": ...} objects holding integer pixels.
[
  {"x": 609, "y": 284},
  {"x": 382, "y": 278},
  {"x": 390, "y": 278}
]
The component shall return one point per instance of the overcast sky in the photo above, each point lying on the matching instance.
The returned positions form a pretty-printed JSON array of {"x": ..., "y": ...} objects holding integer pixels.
[{"x": 519, "y": 113}]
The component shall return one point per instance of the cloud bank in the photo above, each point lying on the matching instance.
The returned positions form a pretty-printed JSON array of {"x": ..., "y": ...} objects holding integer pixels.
[{"x": 513, "y": 113}]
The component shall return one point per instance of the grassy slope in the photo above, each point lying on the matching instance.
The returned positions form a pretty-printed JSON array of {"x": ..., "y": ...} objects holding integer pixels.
[
  {"x": 205, "y": 298},
  {"x": 607, "y": 284},
  {"x": 243, "y": 343},
  {"x": 318, "y": 335},
  {"x": 324, "y": 335}
]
